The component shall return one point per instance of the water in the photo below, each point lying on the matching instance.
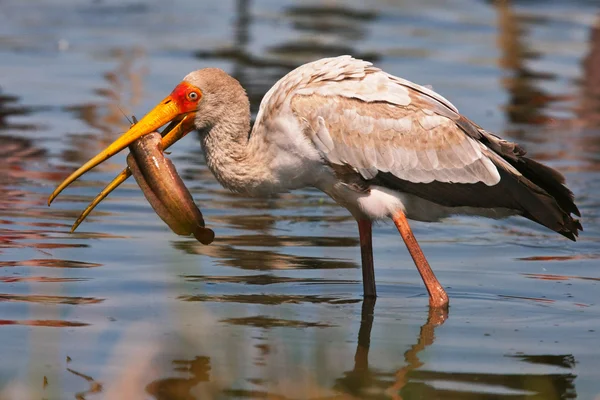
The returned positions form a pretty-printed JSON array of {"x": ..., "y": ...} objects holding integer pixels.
[{"x": 273, "y": 309}]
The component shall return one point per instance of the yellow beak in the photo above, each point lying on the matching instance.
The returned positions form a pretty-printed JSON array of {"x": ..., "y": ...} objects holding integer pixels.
[{"x": 165, "y": 112}]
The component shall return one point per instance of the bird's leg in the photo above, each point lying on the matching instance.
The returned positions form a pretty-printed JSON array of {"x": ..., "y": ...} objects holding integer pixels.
[
  {"x": 366, "y": 253},
  {"x": 437, "y": 294}
]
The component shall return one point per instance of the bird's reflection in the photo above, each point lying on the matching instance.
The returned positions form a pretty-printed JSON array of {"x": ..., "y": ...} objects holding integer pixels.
[
  {"x": 198, "y": 377},
  {"x": 358, "y": 382},
  {"x": 412, "y": 381},
  {"x": 361, "y": 380}
]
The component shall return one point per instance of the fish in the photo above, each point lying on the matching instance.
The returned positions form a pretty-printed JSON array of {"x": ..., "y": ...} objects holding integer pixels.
[{"x": 164, "y": 189}]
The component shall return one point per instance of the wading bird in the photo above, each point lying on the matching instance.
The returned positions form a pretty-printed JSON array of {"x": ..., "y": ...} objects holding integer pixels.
[{"x": 379, "y": 145}]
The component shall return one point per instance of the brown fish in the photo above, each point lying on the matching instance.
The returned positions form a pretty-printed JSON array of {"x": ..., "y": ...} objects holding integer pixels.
[
  {"x": 160, "y": 183},
  {"x": 165, "y": 191}
]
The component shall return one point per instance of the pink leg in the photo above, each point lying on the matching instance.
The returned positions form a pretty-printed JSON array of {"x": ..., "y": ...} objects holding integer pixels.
[
  {"x": 366, "y": 252},
  {"x": 437, "y": 294}
]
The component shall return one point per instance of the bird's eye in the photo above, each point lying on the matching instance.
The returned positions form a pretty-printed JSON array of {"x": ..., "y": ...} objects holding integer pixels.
[{"x": 193, "y": 96}]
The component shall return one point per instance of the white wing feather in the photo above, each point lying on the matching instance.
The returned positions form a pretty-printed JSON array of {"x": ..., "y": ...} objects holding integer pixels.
[{"x": 359, "y": 116}]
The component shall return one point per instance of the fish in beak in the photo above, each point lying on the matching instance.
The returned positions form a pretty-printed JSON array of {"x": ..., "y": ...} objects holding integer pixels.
[
  {"x": 178, "y": 110},
  {"x": 181, "y": 102}
]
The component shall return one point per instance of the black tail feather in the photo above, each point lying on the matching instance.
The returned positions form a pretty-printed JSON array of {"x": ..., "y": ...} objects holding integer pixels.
[
  {"x": 538, "y": 205},
  {"x": 543, "y": 194},
  {"x": 544, "y": 197},
  {"x": 550, "y": 180}
]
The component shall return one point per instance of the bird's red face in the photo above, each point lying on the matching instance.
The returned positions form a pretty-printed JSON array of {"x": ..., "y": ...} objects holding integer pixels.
[
  {"x": 186, "y": 96},
  {"x": 178, "y": 109}
]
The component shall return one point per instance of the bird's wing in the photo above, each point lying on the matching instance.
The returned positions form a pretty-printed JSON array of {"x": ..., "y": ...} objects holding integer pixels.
[
  {"x": 376, "y": 122},
  {"x": 399, "y": 134}
]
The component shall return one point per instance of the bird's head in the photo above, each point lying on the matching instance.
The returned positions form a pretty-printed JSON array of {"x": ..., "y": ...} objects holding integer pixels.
[
  {"x": 223, "y": 98},
  {"x": 203, "y": 99}
]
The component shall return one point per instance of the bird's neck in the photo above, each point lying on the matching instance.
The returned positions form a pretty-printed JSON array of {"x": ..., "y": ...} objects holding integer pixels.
[{"x": 239, "y": 160}]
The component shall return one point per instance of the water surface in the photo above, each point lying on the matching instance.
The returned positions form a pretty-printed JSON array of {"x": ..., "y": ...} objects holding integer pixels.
[{"x": 273, "y": 309}]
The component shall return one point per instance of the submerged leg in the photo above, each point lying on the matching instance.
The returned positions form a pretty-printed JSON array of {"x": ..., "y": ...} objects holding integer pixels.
[
  {"x": 437, "y": 294},
  {"x": 366, "y": 253}
]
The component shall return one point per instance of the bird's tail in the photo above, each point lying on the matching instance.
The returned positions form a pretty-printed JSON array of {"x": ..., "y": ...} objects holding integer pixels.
[
  {"x": 540, "y": 190},
  {"x": 547, "y": 200}
]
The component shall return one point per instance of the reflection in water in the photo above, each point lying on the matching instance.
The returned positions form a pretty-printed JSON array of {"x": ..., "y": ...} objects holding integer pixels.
[
  {"x": 261, "y": 321},
  {"x": 527, "y": 101},
  {"x": 360, "y": 379},
  {"x": 49, "y": 299},
  {"x": 197, "y": 370},
  {"x": 411, "y": 356},
  {"x": 361, "y": 382},
  {"x": 49, "y": 263},
  {"x": 20, "y": 160},
  {"x": 14, "y": 279},
  {"x": 561, "y": 258},
  {"x": 328, "y": 19},
  {"x": 95, "y": 387},
  {"x": 15, "y": 151},
  {"x": 25, "y": 165},
  {"x": 561, "y": 361},
  {"x": 588, "y": 107},
  {"x": 370, "y": 384},
  {"x": 324, "y": 30},
  {"x": 265, "y": 299},
  {"x": 261, "y": 260},
  {"x": 265, "y": 223},
  {"x": 44, "y": 322},
  {"x": 287, "y": 241},
  {"x": 264, "y": 279},
  {"x": 9, "y": 108},
  {"x": 530, "y": 103},
  {"x": 534, "y": 299},
  {"x": 123, "y": 91},
  {"x": 517, "y": 385},
  {"x": 551, "y": 277}
]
